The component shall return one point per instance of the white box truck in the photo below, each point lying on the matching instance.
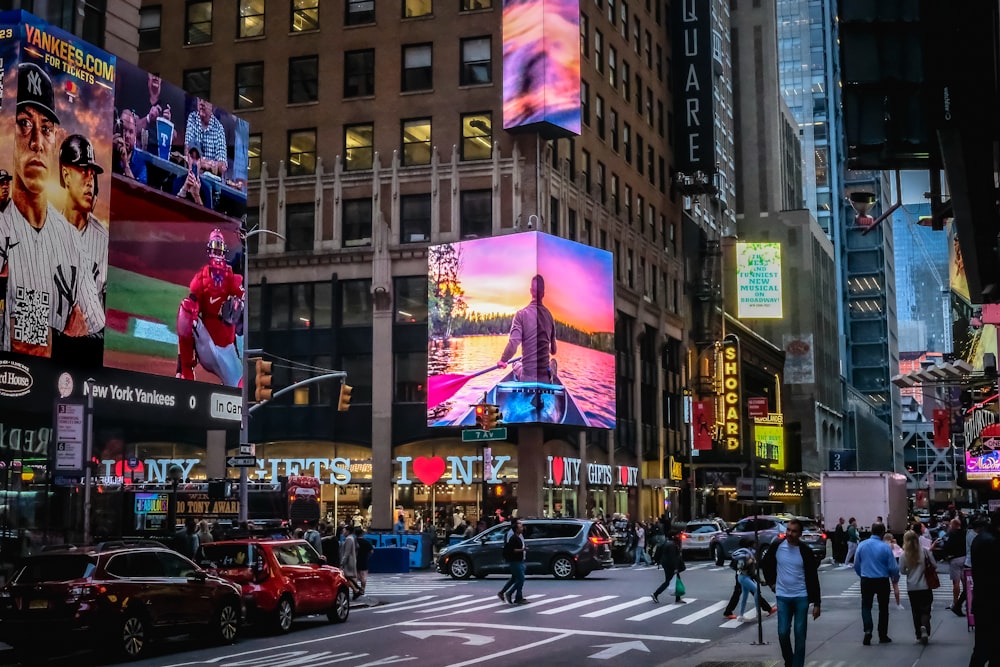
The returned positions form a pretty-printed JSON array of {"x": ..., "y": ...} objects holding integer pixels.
[{"x": 864, "y": 495}]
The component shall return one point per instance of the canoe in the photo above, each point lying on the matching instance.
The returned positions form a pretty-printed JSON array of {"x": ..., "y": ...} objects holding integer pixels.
[{"x": 519, "y": 404}]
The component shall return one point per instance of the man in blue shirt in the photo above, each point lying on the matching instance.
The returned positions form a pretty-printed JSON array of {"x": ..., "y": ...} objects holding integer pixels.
[{"x": 875, "y": 564}]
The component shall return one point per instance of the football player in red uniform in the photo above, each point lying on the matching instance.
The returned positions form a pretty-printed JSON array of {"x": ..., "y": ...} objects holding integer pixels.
[{"x": 210, "y": 318}]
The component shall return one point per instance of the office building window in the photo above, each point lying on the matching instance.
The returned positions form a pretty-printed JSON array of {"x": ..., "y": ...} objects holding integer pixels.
[
  {"x": 302, "y": 152},
  {"x": 303, "y": 79},
  {"x": 322, "y": 306},
  {"x": 249, "y": 86},
  {"x": 476, "y": 61},
  {"x": 356, "y": 304},
  {"x": 415, "y": 8},
  {"x": 612, "y": 66},
  {"x": 476, "y": 214},
  {"x": 359, "y": 12},
  {"x": 359, "y": 73},
  {"x": 416, "y": 141},
  {"x": 302, "y": 298},
  {"x": 359, "y": 368},
  {"x": 599, "y": 51},
  {"x": 602, "y": 182},
  {"x": 280, "y": 306},
  {"x": 251, "y": 18},
  {"x": 305, "y": 15},
  {"x": 415, "y": 218},
  {"x": 477, "y": 136},
  {"x": 359, "y": 146},
  {"x": 357, "y": 222},
  {"x": 599, "y": 115},
  {"x": 615, "y": 200},
  {"x": 198, "y": 82},
  {"x": 411, "y": 300},
  {"x": 585, "y": 168},
  {"x": 253, "y": 308},
  {"x": 626, "y": 81},
  {"x": 639, "y": 151},
  {"x": 417, "y": 67},
  {"x": 585, "y": 102},
  {"x": 198, "y": 22},
  {"x": 254, "y": 148},
  {"x": 300, "y": 222},
  {"x": 614, "y": 130},
  {"x": 149, "y": 27},
  {"x": 411, "y": 376},
  {"x": 584, "y": 36},
  {"x": 472, "y": 5}
]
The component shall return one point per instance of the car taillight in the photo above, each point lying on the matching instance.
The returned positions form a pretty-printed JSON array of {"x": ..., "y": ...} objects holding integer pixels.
[
  {"x": 684, "y": 536},
  {"x": 823, "y": 535},
  {"x": 86, "y": 591},
  {"x": 781, "y": 536},
  {"x": 599, "y": 540}
]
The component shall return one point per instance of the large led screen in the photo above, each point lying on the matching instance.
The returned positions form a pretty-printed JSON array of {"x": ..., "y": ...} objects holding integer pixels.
[
  {"x": 541, "y": 65},
  {"x": 758, "y": 280},
  {"x": 525, "y": 321}
]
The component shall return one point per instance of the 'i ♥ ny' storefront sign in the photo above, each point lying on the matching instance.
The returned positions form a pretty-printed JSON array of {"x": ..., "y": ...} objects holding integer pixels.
[{"x": 565, "y": 471}]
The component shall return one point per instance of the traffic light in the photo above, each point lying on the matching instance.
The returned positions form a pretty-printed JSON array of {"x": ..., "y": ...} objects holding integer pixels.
[
  {"x": 262, "y": 383},
  {"x": 995, "y": 483},
  {"x": 491, "y": 415},
  {"x": 345, "y": 397},
  {"x": 481, "y": 415}
]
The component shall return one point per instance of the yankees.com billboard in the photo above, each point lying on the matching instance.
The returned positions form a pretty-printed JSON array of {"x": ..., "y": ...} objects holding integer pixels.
[{"x": 70, "y": 193}]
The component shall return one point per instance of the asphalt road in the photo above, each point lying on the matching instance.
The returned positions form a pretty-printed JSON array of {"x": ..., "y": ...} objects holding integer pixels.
[{"x": 431, "y": 620}]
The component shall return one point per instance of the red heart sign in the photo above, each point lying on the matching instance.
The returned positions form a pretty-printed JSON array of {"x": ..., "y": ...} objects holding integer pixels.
[
  {"x": 623, "y": 475},
  {"x": 557, "y": 469},
  {"x": 428, "y": 470}
]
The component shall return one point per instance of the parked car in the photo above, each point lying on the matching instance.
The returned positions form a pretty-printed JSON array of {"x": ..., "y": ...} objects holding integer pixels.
[
  {"x": 114, "y": 595},
  {"x": 697, "y": 536},
  {"x": 279, "y": 579},
  {"x": 565, "y": 548},
  {"x": 814, "y": 536}
]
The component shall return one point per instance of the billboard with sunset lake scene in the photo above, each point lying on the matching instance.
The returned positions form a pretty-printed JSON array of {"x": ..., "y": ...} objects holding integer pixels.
[{"x": 526, "y": 322}]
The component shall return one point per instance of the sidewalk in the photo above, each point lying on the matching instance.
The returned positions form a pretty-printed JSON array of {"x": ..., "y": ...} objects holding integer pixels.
[{"x": 835, "y": 641}]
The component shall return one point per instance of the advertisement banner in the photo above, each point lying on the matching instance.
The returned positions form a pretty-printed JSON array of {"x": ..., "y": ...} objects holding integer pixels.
[
  {"x": 982, "y": 443},
  {"x": 541, "y": 66},
  {"x": 693, "y": 105},
  {"x": 799, "y": 364},
  {"x": 758, "y": 280},
  {"x": 703, "y": 428},
  {"x": 942, "y": 427},
  {"x": 526, "y": 320},
  {"x": 769, "y": 434}
]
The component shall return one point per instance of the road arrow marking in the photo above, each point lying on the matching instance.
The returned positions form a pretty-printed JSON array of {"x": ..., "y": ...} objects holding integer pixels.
[
  {"x": 615, "y": 650},
  {"x": 470, "y": 639}
]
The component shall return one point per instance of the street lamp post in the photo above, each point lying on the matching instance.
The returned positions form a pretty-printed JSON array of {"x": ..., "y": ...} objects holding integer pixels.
[{"x": 174, "y": 474}]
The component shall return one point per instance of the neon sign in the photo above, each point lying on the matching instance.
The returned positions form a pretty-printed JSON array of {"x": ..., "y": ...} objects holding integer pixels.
[{"x": 731, "y": 417}]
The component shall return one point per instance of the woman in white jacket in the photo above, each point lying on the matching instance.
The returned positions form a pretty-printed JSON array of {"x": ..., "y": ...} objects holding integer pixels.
[{"x": 914, "y": 563}]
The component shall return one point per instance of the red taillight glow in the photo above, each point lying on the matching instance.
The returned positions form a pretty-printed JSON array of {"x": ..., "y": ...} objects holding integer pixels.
[
  {"x": 684, "y": 536},
  {"x": 823, "y": 535},
  {"x": 599, "y": 540},
  {"x": 781, "y": 536}
]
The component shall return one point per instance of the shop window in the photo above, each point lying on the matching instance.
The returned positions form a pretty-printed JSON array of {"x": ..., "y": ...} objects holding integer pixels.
[
  {"x": 254, "y": 155},
  {"x": 302, "y": 152},
  {"x": 303, "y": 79},
  {"x": 305, "y": 15},
  {"x": 198, "y": 23},
  {"x": 477, "y": 136},
  {"x": 198, "y": 82},
  {"x": 149, "y": 27},
  {"x": 359, "y": 73},
  {"x": 359, "y": 12},
  {"x": 359, "y": 146},
  {"x": 415, "y": 8},
  {"x": 476, "y": 214},
  {"x": 417, "y": 68},
  {"x": 249, "y": 85},
  {"x": 300, "y": 223},
  {"x": 415, "y": 218},
  {"x": 411, "y": 376},
  {"x": 322, "y": 306},
  {"x": 416, "y": 141},
  {"x": 302, "y": 306},
  {"x": 357, "y": 222},
  {"x": 472, "y": 5},
  {"x": 411, "y": 300},
  {"x": 476, "y": 61},
  {"x": 356, "y": 303},
  {"x": 280, "y": 300},
  {"x": 359, "y": 369},
  {"x": 251, "y": 19}
]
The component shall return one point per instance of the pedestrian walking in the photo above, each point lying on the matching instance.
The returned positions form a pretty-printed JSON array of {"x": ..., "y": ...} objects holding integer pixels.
[
  {"x": 874, "y": 563},
  {"x": 640, "y": 546},
  {"x": 790, "y": 568},
  {"x": 897, "y": 551},
  {"x": 853, "y": 539},
  {"x": 312, "y": 536},
  {"x": 331, "y": 545},
  {"x": 515, "y": 553},
  {"x": 672, "y": 561},
  {"x": 204, "y": 533},
  {"x": 915, "y": 563},
  {"x": 763, "y": 605},
  {"x": 839, "y": 542},
  {"x": 954, "y": 553},
  {"x": 349, "y": 562},
  {"x": 986, "y": 591},
  {"x": 746, "y": 573},
  {"x": 364, "y": 550}
]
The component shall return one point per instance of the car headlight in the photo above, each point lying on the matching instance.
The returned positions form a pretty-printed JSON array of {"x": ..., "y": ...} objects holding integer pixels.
[{"x": 444, "y": 551}]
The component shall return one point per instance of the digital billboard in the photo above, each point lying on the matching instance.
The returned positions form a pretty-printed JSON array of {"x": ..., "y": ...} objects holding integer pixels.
[
  {"x": 541, "y": 66},
  {"x": 758, "y": 280},
  {"x": 526, "y": 321}
]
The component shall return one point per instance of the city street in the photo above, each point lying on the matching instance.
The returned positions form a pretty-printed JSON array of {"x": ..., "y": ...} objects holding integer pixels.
[{"x": 429, "y": 619}]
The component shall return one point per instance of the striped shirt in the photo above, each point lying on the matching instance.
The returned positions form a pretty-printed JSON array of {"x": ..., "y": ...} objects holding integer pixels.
[
  {"x": 210, "y": 141},
  {"x": 93, "y": 244}
]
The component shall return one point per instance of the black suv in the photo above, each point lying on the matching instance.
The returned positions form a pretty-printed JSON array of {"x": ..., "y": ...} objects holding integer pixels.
[
  {"x": 565, "y": 548},
  {"x": 118, "y": 595}
]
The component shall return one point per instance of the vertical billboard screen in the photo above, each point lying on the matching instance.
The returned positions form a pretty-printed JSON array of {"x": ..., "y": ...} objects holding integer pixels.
[
  {"x": 114, "y": 250},
  {"x": 758, "y": 280},
  {"x": 526, "y": 320},
  {"x": 693, "y": 82},
  {"x": 541, "y": 66}
]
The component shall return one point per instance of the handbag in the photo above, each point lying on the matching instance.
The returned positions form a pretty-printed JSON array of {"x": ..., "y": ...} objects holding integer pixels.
[
  {"x": 931, "y": 574},
  {"x": 679, "y": 589}
]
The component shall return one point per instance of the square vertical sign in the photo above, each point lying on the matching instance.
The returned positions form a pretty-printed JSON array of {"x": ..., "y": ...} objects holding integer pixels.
[{"x": 71, "y": 434}]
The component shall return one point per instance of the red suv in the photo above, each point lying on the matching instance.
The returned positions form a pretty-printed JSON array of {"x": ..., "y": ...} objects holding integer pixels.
[
  {"x": 118, "y": 595},
  {"x": 280, "y": 579}
]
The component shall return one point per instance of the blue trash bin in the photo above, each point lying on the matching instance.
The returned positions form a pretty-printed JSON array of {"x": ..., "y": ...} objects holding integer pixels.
[{"x": 392, "y": 560}]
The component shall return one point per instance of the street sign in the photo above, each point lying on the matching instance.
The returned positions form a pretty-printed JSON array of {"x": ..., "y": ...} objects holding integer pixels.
[
  {"x": 247, "y": 450},
  {"x": 745, "y": 485},
  {"x": 70, "y": 435},
  {"x": 477, "y": 434},
  {"x": 242, "y": 462},
  {"x": 757, "y": 407}
]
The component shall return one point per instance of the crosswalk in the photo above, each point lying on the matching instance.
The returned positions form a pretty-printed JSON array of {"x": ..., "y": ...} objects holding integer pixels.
[
  {"x": 403, "y": 584},
  {"x": 942, "y": 594},
  {"x": 541, "y": 605}
]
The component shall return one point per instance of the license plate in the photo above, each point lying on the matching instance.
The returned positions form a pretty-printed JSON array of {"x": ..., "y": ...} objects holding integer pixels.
[
  {"x": 700, "y": 538},
  {"x": 810, "y": 538},
  {"x": 38, "y": 604}
]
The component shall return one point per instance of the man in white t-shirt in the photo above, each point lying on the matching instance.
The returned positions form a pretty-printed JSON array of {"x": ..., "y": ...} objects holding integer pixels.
[{"x": 790, "y": 568}]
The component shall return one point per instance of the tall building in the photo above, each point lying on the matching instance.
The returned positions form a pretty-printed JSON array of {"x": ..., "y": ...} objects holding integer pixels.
[{"x": 377, "y": 130}]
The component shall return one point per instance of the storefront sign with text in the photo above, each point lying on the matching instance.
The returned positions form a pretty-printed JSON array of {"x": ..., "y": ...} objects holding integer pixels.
[{"x": 565, "y": 471}]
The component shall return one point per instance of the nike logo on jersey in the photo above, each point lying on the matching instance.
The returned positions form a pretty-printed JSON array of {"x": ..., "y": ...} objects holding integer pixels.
[{"x": 215, "y": 300}]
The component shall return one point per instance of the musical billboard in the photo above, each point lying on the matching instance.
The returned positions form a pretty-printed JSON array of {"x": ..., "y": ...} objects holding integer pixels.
[
  {"x": 758, "y": 280},
  {"x": 526, "y": 320}
]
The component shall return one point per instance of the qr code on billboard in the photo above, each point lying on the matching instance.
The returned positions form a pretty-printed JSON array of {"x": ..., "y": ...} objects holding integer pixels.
[{"x": 31, "y": 316}]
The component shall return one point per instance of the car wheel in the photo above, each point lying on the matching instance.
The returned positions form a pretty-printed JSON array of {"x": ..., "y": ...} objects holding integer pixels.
[
  {"x": 460, "y": 567},
  {"x": 341, "y": 607},
  {"x": 563, "y": 567},
  {"x": 226, "y": 624},
  {"x": 133, "y": 637},
  {"x": 717, "y": 554},
  {"x": 283, "y": 615}
]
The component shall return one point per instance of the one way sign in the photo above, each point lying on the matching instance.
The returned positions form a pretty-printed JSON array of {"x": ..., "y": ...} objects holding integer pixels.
[{"x": 242, "y": 462}]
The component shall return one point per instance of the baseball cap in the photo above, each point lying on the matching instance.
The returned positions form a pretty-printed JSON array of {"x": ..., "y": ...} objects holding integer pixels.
[
  {"x": 34, "y": 87},
  {"x": 5, "y": 176},
  {"x": 77, "y": 151}
]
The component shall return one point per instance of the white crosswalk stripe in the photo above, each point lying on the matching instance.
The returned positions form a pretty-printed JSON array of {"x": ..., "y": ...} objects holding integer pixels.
[
  {"x": 575, "y": 605},
  {"x": 405, "y": 607},
  {"x": 854, "y": 591},
  {"x": 701, "y": 613},
  {"x": 534, "y": 605},
  {"x": 618, "y": 607},
  {"x": 665, "y": 609}
]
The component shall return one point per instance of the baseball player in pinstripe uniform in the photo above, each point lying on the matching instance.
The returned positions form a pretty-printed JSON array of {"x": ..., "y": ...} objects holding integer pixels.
[
  {"x": 78, "y": 174},
  {"x": 5, "y": 179},
  {"x": 52, "y": 300}
]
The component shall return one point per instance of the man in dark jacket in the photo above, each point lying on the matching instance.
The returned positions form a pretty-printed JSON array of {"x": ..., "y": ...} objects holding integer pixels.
[
  {"x": 986, "y": 584},
  {"x": 673, "y": 562},
  {"x": 790, "y": 568}
]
